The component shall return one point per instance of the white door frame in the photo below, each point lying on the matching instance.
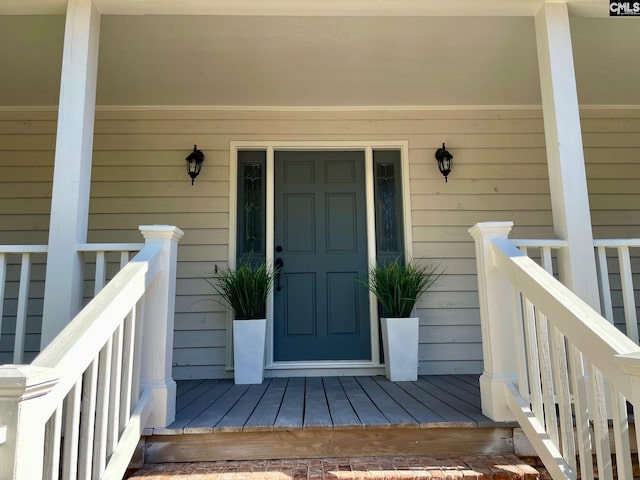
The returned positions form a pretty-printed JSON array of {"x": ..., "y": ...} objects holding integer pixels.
[{"x": 331, "y": 366}]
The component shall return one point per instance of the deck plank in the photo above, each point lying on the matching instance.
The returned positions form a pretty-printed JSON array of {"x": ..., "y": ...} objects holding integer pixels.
[
  {"x": 397, "y": 416},
  {"x": 199, "y": 405},
  {"x": 239, "y": 414},
  {"x": 471, "y": 391},
  {"x": 185, "y": 386},
  {"x": 291, "y": 411},
  {"x": 216, "y": 411},
  {"x": 327, "y": 403},
  {"x": 264, "y": 416},
  {"x": 316, "y": 412},
  {"x": 460, "y": 405},
  {"x": 424, "y": 416},
  {"x": 462, "y": 394},
  {"x": 472, "y": 380},
  {"x": 194, "y": 394},
  {"x": 366, "y": 410},
  {"x": 435, "y": 403},
  {"x": 342, "y": 413}
]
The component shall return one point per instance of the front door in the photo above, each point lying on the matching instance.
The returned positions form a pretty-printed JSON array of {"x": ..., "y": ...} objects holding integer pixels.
[{"x": 321, "y": 308}]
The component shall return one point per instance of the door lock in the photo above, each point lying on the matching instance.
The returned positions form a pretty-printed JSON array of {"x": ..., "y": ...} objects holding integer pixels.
[{"x": 278, "y": 267}]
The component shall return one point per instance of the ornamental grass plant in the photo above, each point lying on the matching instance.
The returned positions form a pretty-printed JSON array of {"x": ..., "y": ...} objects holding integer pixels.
[
  {"x": 399, "y": 286},
  {"x": 245, "y": 289}
]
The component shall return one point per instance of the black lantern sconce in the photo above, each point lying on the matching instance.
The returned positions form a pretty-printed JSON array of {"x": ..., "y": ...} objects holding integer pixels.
[
  {"x": 194, "y": 163},
  {"x": 444, "y": 161}
]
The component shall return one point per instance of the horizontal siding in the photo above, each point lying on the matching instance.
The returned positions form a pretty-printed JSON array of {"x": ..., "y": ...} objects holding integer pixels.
[
  {"x": 138, "y": 177},
  {"x": 499, "y": 173}
]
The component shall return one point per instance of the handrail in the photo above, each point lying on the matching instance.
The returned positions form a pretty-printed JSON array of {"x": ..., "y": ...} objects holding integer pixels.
[
  {"x": 80, "y": 408},
  {"x": 539, "y": 243},
  {"x": 73, "y": 350},
  {"x": 616, "y": 242},
  {"x": 27, "y": 252},
  {"x": 110, "y": 247},
  {"x": 577, "y": 321},
  {"x": 24, "y": 248},
  {"x": 553, "y": 363}
]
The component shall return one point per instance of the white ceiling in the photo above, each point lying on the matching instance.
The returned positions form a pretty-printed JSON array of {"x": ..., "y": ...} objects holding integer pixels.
[{"x": 317, "y": 60}]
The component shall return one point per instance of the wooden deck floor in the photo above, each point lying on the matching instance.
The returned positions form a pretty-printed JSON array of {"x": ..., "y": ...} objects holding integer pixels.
[{"x": 333, "y": 403}]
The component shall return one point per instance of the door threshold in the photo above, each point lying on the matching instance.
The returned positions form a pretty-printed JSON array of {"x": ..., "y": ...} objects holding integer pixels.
[{"x": 329, "y": 368}]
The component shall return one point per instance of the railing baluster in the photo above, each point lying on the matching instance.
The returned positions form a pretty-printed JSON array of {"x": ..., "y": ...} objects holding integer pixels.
[
  {"x": 88, "y": 421},
  {"x": 605, "y": 286},
  {"x": 598, "y": 413},
  {"x": 102, "y": 410},
  {"x": 534, "y": 361},
  {"x": 137, "y": 361},
  {"x": 72, "y": 433},
  {"x": 583, "y": 430},
  {"x": 637, "y": 430},
  {"x": 21, "y": 315},
  {"x": 114, "y": 392},
  {"x": 546, "y": 377},
  {"x": 52, "y": 445},
  {"x": 124, "y": 259},
  {"x": 563, "y": 393},
  {"x": 523, "y": 381},
  {"x": 628, "y": 293},
  {"x": 101, "y": 272},
  {"x": 621, "y": 435},
  {"x": 546, "y": 260},
  {"x": 128, "y": 350}
]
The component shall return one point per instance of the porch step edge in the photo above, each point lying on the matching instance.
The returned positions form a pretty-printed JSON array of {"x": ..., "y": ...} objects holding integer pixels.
[
  {"x": 488, "y": 467},
  {"x": 292, "y": 444}
]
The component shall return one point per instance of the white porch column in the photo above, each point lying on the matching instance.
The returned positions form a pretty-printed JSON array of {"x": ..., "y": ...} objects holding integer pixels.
[
  {"x": 565, "y": 158},
  {"x": 72, "y": 170},
  {"x": 157, "y": 332},
  {"x": 497, "y": 323}
]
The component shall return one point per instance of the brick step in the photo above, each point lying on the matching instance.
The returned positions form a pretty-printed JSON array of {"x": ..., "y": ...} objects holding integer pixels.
[{"x": 485, "y": 467}]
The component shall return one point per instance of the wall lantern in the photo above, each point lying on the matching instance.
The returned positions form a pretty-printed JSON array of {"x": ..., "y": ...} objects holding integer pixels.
[
  {"x": 444, "y": 161},
  {"x": 194, "y": 163}
]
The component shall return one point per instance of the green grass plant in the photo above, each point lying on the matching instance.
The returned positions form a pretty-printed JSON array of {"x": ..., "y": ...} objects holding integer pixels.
[
  {"x": 399, "y": 286},
  {"x": 245, "y": 289}
]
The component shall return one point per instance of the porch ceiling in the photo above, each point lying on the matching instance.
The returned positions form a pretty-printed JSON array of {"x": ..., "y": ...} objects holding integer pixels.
[{"x": 316, "y": 60}]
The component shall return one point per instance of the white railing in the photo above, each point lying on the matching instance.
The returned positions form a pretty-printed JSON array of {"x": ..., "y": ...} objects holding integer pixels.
[
  {"x": 17, "y": 264},
  {"x": 573, "y": 369},
  {"x": 79, "y": 409},
  {"x": 616, "y": 269},
  {"x": 100, "y": 250},
  {"x": 605, "y": 249},
  {"x": 541, "y": 249},
  {"x": 25, "y": 255}
]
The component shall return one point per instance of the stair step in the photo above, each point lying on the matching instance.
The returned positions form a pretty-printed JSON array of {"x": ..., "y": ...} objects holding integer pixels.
[{"x": 485, "y": 467}]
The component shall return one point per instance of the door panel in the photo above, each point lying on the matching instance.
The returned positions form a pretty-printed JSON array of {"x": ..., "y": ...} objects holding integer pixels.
[
  {"x": 321, "y": 311},
  {"x": 299, "y": 223}
]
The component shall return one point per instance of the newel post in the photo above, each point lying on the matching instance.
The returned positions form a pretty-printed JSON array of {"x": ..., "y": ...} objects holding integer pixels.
[
  {"x": 157, "y": 336},
  {"x": 497, "y": 323},
  {"x": 21, "y": 428}
]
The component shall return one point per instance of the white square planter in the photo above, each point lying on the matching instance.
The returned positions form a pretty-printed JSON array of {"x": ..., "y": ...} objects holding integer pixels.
[
  {"x": 248, "y": 350},
  {"x": 400, "y": 343}
]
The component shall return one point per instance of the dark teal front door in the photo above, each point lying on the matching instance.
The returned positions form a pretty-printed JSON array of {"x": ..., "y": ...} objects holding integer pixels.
[{"x": 321, "y": 310}]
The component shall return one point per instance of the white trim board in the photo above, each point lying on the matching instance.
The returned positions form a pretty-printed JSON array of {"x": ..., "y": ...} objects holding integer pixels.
[
  {"x": 307, "y": 108},
  {"x": 365, "y": 146}
]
